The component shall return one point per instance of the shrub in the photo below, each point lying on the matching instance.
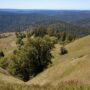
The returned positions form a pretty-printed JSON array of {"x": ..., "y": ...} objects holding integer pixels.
[
  {"x": 20, "y": 35},
  {"x": 31, "y": 59},
  {"x": 1, "y": 53},
  {"x": 44, "y": 56},
  {"x": 63, "y": 51},
  {"x": 4, "y": 63},
  {"x": 19, "y": 42},
  {"x": 40, "y": 31},
  {"x": 21, "y": 64}
]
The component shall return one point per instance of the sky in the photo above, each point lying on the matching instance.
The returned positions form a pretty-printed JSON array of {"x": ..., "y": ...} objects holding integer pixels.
[{"x": 46, "y": 4}]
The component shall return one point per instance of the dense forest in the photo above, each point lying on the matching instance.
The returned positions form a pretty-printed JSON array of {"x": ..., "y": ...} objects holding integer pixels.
[{"x": 76, "y": 22}]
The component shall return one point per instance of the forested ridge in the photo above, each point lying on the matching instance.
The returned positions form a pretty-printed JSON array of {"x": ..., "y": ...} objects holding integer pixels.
[{"x": 76, "y": 22}]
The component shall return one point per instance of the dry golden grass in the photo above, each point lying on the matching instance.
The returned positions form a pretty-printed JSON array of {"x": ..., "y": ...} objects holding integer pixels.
[
  {"x": 8, "y": 44},
  {"x": 71, "y": 85},
  {"x": 73, "y": 66},
  {"x": 68, "y": 72},
  {"x": 10, "y": 79}
]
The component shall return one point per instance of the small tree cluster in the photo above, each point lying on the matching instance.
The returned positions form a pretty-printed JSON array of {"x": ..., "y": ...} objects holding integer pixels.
[
  {"x": 40, "y": 31},
  {"x": 63, "y": 37},
  {"x": 23, "y": 63},
  {"x": 20, "y": 36},
  {"x": 19, "y": 42},
  {"x": 31, "y": 59}
]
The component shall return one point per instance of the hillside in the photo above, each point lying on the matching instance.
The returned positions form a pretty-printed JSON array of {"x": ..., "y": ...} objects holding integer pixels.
[
  {"x": 69, "y": 71},
  {"x": 8, "y": 42},
  {"x": 73, "y": 66},
  {"x": 9, "y": 79}
]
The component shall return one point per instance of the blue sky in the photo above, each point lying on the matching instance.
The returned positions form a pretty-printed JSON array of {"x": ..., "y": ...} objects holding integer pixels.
[{"x": 46, "y": 4}]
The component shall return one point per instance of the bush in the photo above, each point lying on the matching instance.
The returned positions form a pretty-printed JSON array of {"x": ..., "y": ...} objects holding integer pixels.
[
  {"x": 20, "y": 35},
  {"x": 31, "y": 59},
  {"x": 19, "y": 42},
  {"x": 63, "y": 51},
  {"x": 1, "y": 54},
  {"x": 44, "y": 56},
  {"x": 4, "y": 63},
  {"x": 51, "y": 39},
  {"x": 22, "y": 64},
  {"x": 40, "y": 31}
]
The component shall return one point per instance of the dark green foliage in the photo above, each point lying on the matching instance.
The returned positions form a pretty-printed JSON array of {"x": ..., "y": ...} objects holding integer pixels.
[
  {"x": 53, "y": 31},
  {"x": 19, "y": 42},
  {"x": 4, "y": 63},
  {"x": 63, "y": 51},
  {"x": 14, "y": 52},
  {"x": 51, "y": 39},
  {"x": 20, "y": 35},
  {"x": 23, "y": 63},
  {"x": 70, "y": 38},
  {"x": 67, "y": 21},
  {"x": 31, "y": 59},
  {"x": 1, "y": 54},
  {"x": 63, "y": 37},
  {"x": 29, "y": 33},
  {"x": 43, "y": 48},
  {"x": 40, "y": 31}
]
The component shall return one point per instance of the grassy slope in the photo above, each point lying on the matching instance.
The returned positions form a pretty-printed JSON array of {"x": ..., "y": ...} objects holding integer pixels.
[
  {"x": 9, "y": 79},
  {"x": 73, "y": 66},
  {"x": 8, "y": 44}
]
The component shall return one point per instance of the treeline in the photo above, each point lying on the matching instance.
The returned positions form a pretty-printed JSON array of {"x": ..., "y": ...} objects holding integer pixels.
[
  {"x": 64, "y": 27},
  {"x": 52, "y": 31},
  {"x": 23, "y": 21}
]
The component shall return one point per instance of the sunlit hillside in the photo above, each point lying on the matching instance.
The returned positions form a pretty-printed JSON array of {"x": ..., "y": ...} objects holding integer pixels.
[
  {"x": 8, "y": 43},
  {"x": 68, "y": 71},
  {"x": 73, "y": 66}
]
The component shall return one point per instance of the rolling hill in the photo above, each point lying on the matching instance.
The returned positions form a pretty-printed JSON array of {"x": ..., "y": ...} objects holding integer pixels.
[
  {"x": 73, "y": 67},
  {"x": 8, "y": 43}
]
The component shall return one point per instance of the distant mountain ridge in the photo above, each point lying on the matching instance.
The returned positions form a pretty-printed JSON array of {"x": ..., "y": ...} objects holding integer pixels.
[{"x": 14, "y": 20}]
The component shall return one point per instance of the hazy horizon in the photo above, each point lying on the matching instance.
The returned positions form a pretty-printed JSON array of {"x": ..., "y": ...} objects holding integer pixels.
[{"x": 45, "y": 4}]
